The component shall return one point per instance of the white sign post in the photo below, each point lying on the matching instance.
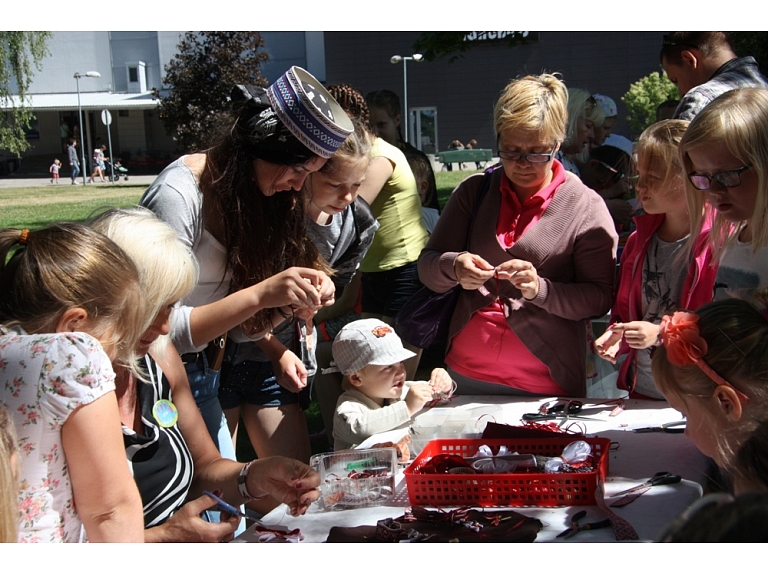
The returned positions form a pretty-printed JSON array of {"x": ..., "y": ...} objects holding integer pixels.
[{"x": 106, "y": 118}]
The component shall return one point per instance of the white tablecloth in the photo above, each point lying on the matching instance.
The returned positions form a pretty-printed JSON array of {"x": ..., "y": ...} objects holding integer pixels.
[{"x": 639, "y": 455}]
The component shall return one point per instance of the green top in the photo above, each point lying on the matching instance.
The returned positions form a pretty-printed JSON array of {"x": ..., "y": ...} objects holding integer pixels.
[{"x": 402, "y": 235}]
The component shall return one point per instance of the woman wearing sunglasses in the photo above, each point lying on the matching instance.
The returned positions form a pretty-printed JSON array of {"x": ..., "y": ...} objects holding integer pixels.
[
  {"x": 725, "y": 158},
  {"x": 541, "y": 256}
]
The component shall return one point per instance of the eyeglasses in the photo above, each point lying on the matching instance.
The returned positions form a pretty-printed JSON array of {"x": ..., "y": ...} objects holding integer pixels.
[
  {"x": 727, "y": 179},
  {"x": 532, "y": 158}
]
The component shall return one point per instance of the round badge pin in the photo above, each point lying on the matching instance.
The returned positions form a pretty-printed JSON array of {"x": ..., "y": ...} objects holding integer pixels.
[{"x": 165, "y": 413}]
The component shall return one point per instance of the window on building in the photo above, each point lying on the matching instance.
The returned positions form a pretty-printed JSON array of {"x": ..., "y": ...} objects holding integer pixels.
[{"x": 133, "y": 74}]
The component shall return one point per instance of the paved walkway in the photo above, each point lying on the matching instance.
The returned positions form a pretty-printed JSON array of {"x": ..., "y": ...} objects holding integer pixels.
[{"x": 11, "y": 182}]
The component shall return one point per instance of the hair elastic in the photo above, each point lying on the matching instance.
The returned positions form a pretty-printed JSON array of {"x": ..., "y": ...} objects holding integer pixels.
[
  {"x": 685, "y": 346},
  {"x": 23, "y": 237}
]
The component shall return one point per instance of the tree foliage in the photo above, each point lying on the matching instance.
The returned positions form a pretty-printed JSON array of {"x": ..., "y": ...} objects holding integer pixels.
[
  {"x": 752, "y": 44},
  {"x": 644, "y": 96},
  {"x": 19, "y": 52},
  {"x": 434, "y": 45},
  {"x": 201, "y": 77}
]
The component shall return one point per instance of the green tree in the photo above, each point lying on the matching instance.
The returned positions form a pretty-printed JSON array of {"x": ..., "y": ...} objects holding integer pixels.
[
  {"x": 19, "y": 52},
  {"x": 644, "y": 96},
  {"x": 201, "y": 77}
]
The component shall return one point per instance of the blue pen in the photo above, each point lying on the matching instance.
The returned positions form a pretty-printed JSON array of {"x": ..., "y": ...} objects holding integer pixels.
[{"x": 222, "y": 505}]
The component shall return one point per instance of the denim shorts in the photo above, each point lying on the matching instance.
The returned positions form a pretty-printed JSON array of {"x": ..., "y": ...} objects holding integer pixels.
[
  {"x": 254, "y": 383},
  {"x": 385, "y": 293},
  {"x": 204, "y": 384}
]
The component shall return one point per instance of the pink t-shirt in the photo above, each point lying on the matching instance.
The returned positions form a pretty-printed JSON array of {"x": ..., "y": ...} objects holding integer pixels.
[{"x": 486, "y": 348}]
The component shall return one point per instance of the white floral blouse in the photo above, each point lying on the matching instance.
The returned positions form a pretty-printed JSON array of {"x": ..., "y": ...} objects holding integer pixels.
[{"x": 43, "y": 379}]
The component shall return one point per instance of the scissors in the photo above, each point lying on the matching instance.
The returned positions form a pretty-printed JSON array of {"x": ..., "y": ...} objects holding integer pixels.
[
  {"x": 672, "y": 427},
  {"x": 563, "y": 417},
  {"x": 575, "y": 527},
  {"x": 660, "y": 478}
]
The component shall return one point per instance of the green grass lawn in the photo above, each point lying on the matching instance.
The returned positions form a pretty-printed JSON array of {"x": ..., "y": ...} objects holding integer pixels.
[
  {"x": 37, "y": 207},
  {"x": 447, "y": 182}
]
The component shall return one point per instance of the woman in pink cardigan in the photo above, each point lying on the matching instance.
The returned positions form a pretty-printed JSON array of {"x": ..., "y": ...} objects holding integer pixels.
[{"x": 541, "y": 256}]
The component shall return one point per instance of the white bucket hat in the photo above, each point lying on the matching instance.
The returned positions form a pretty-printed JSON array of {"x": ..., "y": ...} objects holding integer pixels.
[{"x": 367, "y": 342}]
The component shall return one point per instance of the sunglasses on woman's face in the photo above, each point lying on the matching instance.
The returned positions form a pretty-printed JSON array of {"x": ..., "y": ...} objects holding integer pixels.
[{"x": 727, "y": 179}]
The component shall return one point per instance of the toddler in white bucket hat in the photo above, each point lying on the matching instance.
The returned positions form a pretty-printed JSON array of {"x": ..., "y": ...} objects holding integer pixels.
[{"x": 377, "y": 397}]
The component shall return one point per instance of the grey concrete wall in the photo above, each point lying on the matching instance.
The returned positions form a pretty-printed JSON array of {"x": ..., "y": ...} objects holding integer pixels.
[{"x": 72, "y": 52}]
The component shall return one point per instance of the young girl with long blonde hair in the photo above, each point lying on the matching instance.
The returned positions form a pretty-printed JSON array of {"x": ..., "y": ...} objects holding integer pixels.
[{"x": 658, "y": 275}]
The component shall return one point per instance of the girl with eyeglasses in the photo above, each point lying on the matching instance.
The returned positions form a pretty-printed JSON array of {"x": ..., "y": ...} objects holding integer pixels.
[
  {"x": 658, "y": 274},
  {"x": 725, "y": 158},
  {"x": 537, "y": 259}
]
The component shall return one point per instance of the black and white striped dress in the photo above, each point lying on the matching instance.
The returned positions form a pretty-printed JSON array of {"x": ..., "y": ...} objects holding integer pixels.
[{"x": 159, "y": 458}]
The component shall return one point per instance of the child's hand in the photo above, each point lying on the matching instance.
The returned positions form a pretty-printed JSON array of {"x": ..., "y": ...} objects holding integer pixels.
[
  {"x": 608, "y": 344},
  {"x": 440, "y": 381},
  {"x": 641, "y": 334},
  {"x": 417, "y": 397}
]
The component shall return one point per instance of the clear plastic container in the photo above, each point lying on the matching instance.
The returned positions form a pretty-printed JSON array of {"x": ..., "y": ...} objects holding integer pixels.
[{"x": 356, "y": 478}]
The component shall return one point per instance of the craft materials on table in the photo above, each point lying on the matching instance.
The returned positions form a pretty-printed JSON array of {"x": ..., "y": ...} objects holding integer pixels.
[
  {"x": 660, "y": 478},
  {"x": 462, "y": 525},
  {"x": 576, "y": 526},
  {"x": 432, "y": 480},
  {"x": 672, "y": 427},
  {"x": 356, "y": 478},
  {"x": 634, "y": 462}
]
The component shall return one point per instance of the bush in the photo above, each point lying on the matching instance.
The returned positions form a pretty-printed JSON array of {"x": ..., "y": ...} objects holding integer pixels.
[{"x": 644, "y": 96}]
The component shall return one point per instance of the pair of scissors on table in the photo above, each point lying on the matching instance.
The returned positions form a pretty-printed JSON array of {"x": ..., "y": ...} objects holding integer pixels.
[
  {"x": 660, "y": 478},
  {"x": 672, "y": 427},
  {"x": 563, "y": 417},
  {"x": 576, "y": 527}
]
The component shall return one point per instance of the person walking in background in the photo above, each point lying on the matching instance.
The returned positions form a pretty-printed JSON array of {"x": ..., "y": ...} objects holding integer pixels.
[
  {"x": 98, "y": 164},
  {"x": 73, "y": 161},
  {"x": 54, "y": 171}
]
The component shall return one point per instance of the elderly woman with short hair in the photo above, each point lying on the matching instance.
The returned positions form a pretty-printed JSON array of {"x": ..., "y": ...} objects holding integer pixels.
[{"x": 535, "y": 262}]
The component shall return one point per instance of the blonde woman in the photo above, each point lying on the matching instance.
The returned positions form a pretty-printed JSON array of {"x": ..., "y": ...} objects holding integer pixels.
[
  {"x": 583, "y": 115},
  {"x": 531, "y": 272},
  {"x": 171, "y": 455}
]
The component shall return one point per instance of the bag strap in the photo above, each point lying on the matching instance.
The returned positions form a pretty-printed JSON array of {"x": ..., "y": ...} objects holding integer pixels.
[{"x": 485, "y": 185}]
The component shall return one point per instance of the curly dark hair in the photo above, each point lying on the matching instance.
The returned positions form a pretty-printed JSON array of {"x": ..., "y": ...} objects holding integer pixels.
[
  {"x": 352, "y": 101},
  {"x": 263, "y": 235}
]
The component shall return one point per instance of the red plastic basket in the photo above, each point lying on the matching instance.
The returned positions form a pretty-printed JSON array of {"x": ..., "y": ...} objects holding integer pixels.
[{"x": 506, "y": 489}]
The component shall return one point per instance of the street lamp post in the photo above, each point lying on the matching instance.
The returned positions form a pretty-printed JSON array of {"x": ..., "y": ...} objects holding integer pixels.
[
  {"x": 80, "y": 114},
  {"x": 404, "y": 59}
]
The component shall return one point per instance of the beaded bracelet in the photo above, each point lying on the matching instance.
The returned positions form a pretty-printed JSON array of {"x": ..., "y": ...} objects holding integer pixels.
[{"x": 242, "y": 485}]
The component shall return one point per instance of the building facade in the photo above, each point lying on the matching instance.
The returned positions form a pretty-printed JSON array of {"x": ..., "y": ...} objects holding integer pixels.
[
  {"x": 446, "y": 100},
  {"x": 449, "y": 101}
]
